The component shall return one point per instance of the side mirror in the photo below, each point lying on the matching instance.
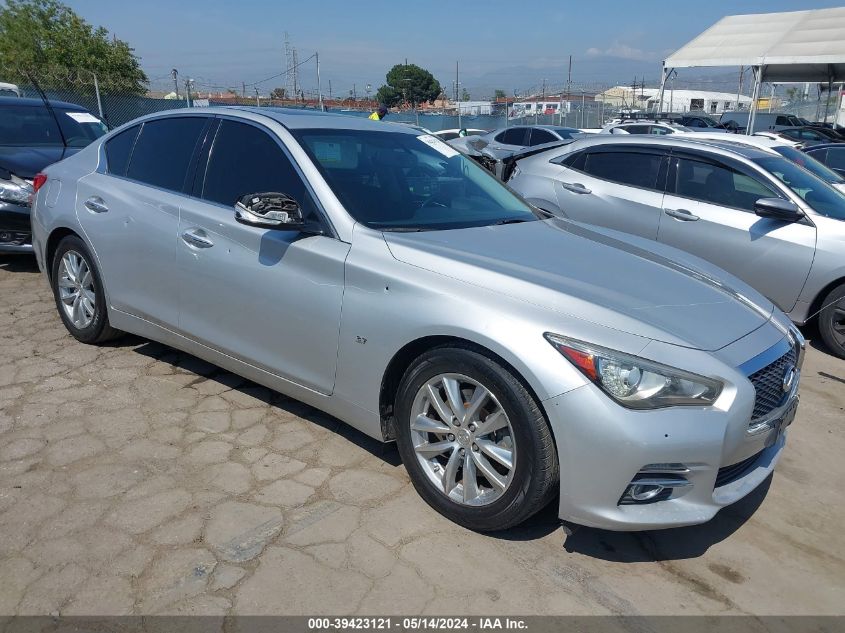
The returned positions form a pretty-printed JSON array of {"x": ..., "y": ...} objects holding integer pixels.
[
  {"x": 778, "y": 209},
  {"x": 270, "y": 210}
]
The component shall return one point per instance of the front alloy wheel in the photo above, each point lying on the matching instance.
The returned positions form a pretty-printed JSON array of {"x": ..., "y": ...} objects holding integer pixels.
[
  {"x": 463, "y": 439},
  {"x": 473, "y": 439}
]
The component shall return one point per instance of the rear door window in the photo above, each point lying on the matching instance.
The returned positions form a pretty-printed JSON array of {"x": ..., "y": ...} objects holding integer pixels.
[
  {"x": 637, "y": 129},
  {"x": 540, "y": 136},
  {"x": 163, "y": 151},
  {"x": 637, "y": 169},
  {"x": 118, "y": 149},
  {"x": 513, "y": 136}
]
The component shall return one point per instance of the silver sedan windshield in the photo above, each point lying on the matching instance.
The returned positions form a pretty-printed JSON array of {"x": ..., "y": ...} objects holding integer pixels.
[{"x": 403, "y": 182}]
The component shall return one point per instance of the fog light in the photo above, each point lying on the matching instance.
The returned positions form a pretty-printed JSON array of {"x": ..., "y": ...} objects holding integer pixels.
[{"x": 644, "y": 492}]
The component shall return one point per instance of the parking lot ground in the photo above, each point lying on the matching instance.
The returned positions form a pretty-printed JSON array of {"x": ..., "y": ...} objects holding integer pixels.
[{"x": 137, "y": 479}]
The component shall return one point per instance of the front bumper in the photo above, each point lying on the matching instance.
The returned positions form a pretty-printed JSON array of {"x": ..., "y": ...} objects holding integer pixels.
[
  {"x": 15, "y": 229},
  {"x": 603, "y": 447}
]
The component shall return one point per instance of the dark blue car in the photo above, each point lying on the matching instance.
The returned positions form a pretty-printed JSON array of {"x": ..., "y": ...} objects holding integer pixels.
[{"x": 31, "y": 138}]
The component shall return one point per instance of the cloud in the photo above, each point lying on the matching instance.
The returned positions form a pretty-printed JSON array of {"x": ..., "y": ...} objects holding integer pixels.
[{"x": 623, "y": 51}]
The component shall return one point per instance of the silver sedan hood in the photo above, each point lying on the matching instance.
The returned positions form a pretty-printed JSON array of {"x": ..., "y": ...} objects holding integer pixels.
[{"x": 631, "y": 285}]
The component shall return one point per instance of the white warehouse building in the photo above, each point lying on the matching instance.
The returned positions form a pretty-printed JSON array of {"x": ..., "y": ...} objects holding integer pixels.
[{"x": 703, "y": 100}]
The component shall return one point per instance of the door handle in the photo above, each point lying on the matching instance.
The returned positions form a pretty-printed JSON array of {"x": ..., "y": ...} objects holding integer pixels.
[
  {"x": 681, "y": 214},
  {"x": 95, "y": 204},
  {"x": 192, "y": 237},
  {"x": 575, "y": 187}
]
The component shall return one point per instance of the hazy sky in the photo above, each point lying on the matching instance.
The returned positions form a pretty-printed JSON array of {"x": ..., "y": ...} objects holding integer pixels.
[{"x": 506, "y": 44}]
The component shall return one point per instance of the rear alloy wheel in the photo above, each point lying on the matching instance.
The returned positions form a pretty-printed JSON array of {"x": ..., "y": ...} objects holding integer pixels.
[
  {"x": 78, "y": 290},
  {"x": 832, "y": 321},
  {"x": 473, "y": 439}
]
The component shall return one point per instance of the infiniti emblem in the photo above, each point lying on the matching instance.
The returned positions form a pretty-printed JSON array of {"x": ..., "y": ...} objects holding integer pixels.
[{"x": 788, "y": 378}]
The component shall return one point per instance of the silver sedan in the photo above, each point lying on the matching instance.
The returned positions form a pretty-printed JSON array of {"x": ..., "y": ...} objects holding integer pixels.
[
  {"x": 375, "y": 273},
  {"x": 764, "y": 218}
]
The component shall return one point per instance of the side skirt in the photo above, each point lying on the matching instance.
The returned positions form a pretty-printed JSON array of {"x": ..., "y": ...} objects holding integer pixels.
[{"x": 365, "y": 421}]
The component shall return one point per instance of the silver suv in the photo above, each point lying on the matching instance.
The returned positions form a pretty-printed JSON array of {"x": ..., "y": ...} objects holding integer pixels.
[
  {"x": 377, "y": 274},
  {"x": 760, "y": 216}
]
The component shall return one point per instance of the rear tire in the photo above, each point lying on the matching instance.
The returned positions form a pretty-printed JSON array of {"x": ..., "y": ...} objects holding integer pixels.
[
  {"x": 832, "y": 321},
  {"x": 78, "y": 291},
  {"x": 498, "y": 465}
]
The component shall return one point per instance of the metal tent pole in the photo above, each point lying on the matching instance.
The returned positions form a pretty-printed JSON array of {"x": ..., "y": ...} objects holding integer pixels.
[
  {"x": 665, "y": 73},
  {"x": 755, "y": 96}
]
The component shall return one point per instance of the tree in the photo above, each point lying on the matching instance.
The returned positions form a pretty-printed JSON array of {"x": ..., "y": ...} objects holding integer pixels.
[
  {"x": 408, "y": 82},
  {"x": 465, "y": 95},
  {"x": 499, "y": 94},
  {"x": 278, "y": 93},
  {"x": 49, "y": 40}
]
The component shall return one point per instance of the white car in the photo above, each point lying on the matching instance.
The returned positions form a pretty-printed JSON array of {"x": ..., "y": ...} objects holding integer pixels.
[
  {"x": 645, "y": 127},
  {"x": 453, "y": 133}
]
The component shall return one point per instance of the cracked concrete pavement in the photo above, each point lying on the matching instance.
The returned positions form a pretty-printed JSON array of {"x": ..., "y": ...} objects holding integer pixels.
[{"x": 135, "y": 479}]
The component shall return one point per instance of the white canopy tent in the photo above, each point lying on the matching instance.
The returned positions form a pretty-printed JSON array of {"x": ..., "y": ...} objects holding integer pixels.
[{"x": 796, "y": 46}]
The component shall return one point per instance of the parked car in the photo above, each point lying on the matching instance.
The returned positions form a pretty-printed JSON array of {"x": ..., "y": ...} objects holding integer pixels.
[
  {"x": 808, "y": 136},
  {"x": 448, "y": 135},
  {"x": 699, "y": 121},
  {"x": 786, "y": 148},
  {"x": 516, "y": 138},
  {"x": 9, "y": 90},
  {"x": 31, "y": 139},
  {"x": 381, "y": 276},
  {"x": 829, "y": 154},
  {"x": 655, "y": 128},
  {"x": 737, "y": 120},
  {"x": 758, "y": 215}
]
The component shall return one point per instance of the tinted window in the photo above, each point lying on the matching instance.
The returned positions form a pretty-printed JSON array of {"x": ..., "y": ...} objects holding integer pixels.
[
  {"x": 782, "y": 120},
  {"x": 244, "y": 160},
  {"x": 34, "y": 126},
  {"x": 539, "y": 136},
  {"x": 118, "y": 149},
  {"x": 660, "y": 131},
  {"x": 566, "y": 132},
  {"x": 637, "y": 129},
  {"x": 836, "y": 157},
  {"x": 718, "y": 184},
  {"x": 627, "y": 168},
  {"x": 823, "y": 198},
  {"x": 163, "y": 151},
  {"x": 513, "y": 136},
  {"x": 448, "y": 136},
  {"x": 398, "y": 181},
  {"x": 810, "y": 163}
]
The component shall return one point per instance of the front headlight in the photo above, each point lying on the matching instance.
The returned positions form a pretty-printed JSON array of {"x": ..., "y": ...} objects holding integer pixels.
[
  {"x": 15, "y": 190},
  {"x": 635, "y": 382}
]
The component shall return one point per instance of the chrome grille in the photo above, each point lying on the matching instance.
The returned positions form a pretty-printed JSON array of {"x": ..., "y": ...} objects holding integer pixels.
[{"x": 768, "y": 383}]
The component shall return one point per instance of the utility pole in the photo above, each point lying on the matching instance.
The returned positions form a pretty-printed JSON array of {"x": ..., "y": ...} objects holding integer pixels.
[
  {"x": 568, "y": 86},
  {"x": 257, "y": 98},
  {"x": 188, "y": 83},
  {"x": 739, "y": 86},
  {"x": 458, "y": 103},
  {"x": 175, "y": 74},
  {"x": 243, "y": 90},
  {"x": 319, "y": 90}
]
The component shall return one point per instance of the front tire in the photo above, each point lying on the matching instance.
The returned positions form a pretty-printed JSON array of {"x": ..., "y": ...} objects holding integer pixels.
[
  {"x": 474, "y": 441},
  {"x": 832, "y": 321},
  {"x": 78, "y": 291}
]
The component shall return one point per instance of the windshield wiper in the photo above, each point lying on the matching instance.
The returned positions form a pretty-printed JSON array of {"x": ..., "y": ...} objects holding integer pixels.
[
  {"x": 510, "y": 221},
  {"x": 401, "y": 229}
]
